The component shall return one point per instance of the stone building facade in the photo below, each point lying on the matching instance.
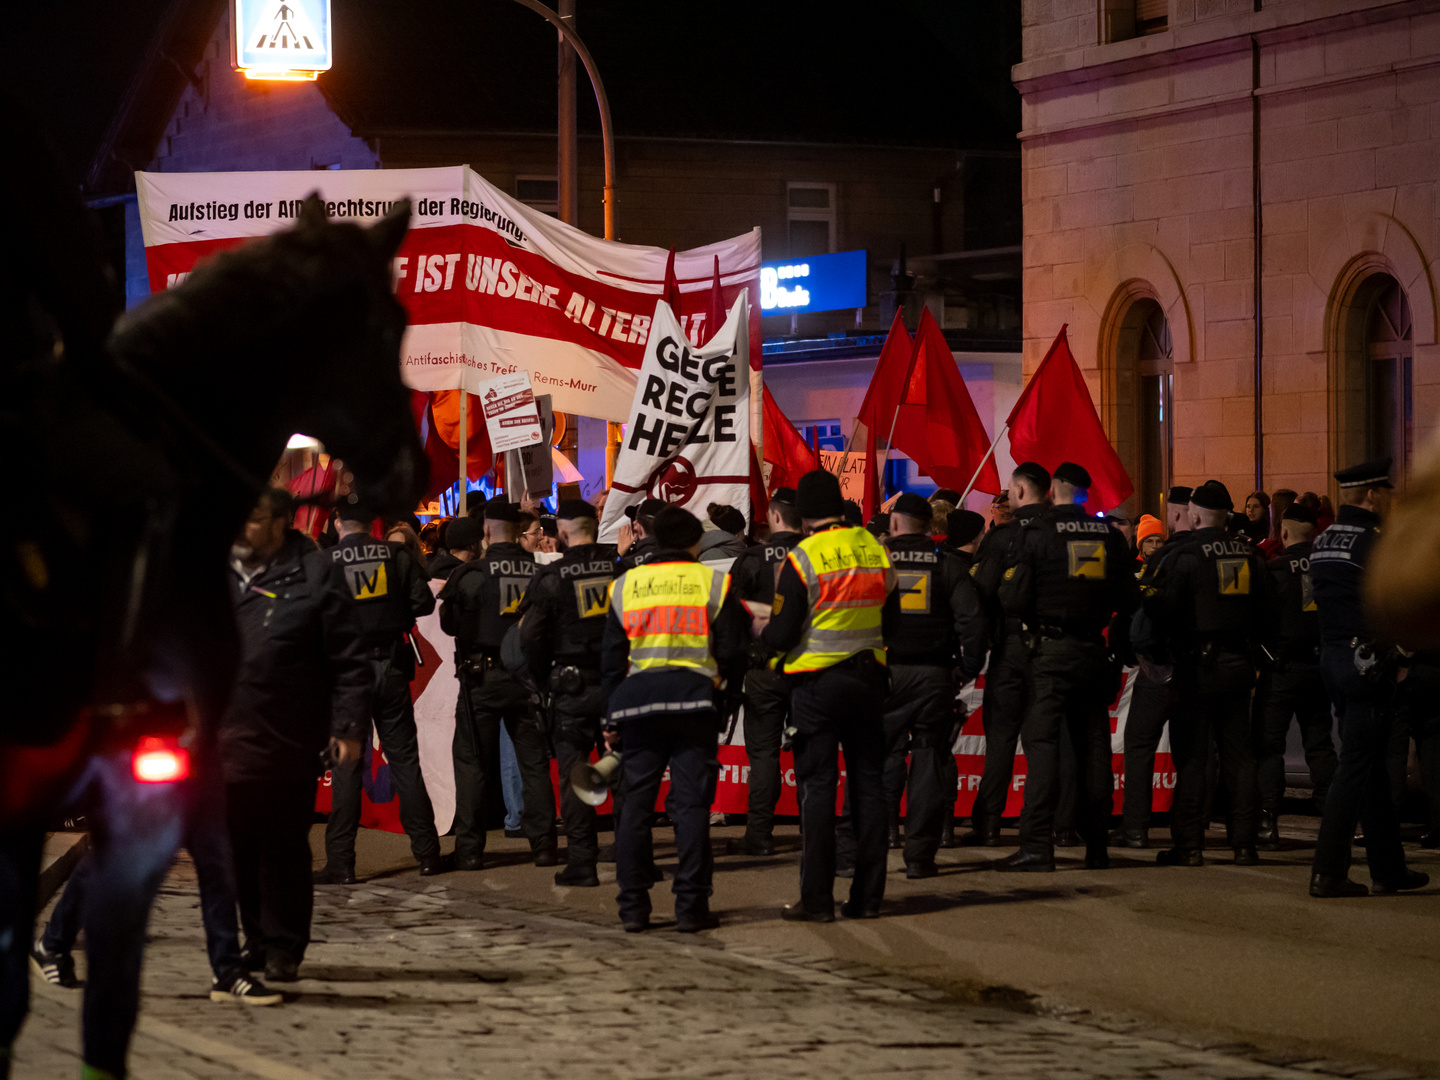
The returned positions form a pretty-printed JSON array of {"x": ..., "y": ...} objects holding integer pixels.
[{"x": 1160, "y": 141}]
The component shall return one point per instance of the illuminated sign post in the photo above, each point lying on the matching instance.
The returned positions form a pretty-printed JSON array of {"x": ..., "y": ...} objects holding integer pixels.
[
  {"x": 286, "y": 40},
  {"x": 815, "y": 283}
]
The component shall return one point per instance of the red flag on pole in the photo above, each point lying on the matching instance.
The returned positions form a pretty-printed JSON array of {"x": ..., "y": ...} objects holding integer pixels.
[
  {"x": 789, "y": 455},
  {"x": 892, "y": 370},
  {"x": 1055, "y": 421},
  {"x": 671, "y": 294}
]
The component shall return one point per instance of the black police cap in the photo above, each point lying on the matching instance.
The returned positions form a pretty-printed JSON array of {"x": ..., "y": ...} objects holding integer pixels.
[
  {"x": 1299, "y": 512},
  {"x": 354, "y": 507},
  {"x": 463, "y": 533},
  {"x": 1067, "y": 472},
  {"x": 784, "y": 495},
  {"x": 502, "y": 510},
  {"x": 676, "y": 529},
  {"x": 950, "y": 495},
  {"x": 851, "y": 513},
  {"x": 1368, "y": 474},
  {"x": 1212, "y": 495},
  {"x": 879, "y": 523},
  {"x": 912, "y": 505},
  {"x": 1035, "y": 473},
  {"x": 963, "y": 526},
  {"x": 1179, "y": 495},
  {"x": 818, "y": 496},
  {"x": 575, "y": 510}
]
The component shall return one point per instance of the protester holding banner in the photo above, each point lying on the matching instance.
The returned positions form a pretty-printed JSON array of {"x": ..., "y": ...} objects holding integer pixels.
[
  {"x": 834, "y": 604},
  {"x": 388, "y": 591},
  {"x": 479, "y": 603},
  {"x": 562, "y": 621}
]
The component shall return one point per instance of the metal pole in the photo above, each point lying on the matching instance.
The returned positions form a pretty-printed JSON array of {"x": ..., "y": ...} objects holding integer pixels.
[
  {"x": 464, "y": 449},
  {"x": 567, "y": 169},
  {"x": 971, "y": 486},
  {"x": 607, "y": 139}
]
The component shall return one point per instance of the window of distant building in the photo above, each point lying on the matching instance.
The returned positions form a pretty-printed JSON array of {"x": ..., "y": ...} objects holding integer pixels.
[
  {"x": 810, "y": 215},
  {"x": 1389, "y": 404},
  {"x": 1143, "y": 397},
  {"x": 1151, "y": 16},
  {"x": 1121, "y": 20},
  {"x": 541, "y": 192},
  {"x": 827, "y": 433}
]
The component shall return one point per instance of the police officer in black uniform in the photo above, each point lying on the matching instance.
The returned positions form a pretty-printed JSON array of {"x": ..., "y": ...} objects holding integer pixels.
[
  {"x": 390, "y": 591},
  {"x": 479, "y": 603},
  {"x": 1292, "y": 687},
  {"x": 1004, "y": 700},
  {"x": 1361, "y": 675},
  {"x": 767, "y": 695},
  {"x": 1217, "y": 610},
  {"x": 642, "y": 545},
  {"x": 963, "y": 531},
  {"x": 562, "y": 622},
  {"x": 1070, "y": 580},
  {"x": 1152, "y": 698},
  {"x": 937, "y": 646}
]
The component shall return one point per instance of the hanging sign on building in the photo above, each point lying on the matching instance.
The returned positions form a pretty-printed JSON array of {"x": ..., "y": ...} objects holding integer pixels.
[
  {"x": 814, "y": 283},
  {"x": 280, "y": 39},
  {"x": 491, "y": 286}
]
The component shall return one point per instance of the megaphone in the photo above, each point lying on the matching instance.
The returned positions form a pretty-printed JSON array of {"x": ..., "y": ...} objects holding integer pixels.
[{"x": 592, "y": 782}]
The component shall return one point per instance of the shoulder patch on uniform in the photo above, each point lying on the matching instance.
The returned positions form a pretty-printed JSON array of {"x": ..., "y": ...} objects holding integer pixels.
[
  {"x": 1087, "y": 558},
  {"x": 367, "y": 580},
  {"x": 1234, "y": 576},
  {"x": 1009, "y": 573},
  {"x": 592, "y": 597},
  {"x": 914, "y": 588},
  {"x": 778, "y": 604}
]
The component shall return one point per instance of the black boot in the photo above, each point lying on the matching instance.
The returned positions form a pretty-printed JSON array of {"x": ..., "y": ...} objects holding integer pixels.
[
  {"x": 1267, "y": 835},
  {"x": 893, "y": 836},
  {"x": 947, "y": 832},
  {"x": 1129, "y": 838}
]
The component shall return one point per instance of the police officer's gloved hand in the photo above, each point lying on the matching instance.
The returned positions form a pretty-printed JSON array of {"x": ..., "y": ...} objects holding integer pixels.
[{"x": 612, "y": 738}]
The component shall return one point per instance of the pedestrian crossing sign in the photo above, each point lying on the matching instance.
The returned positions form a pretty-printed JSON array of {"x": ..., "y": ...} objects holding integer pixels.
[
  {"x": 1234, "y": 576},
  {"x": 592, "y": 597},
  {"x": 1087, "y": 558},
  {"x": 289, "y": 40},
  {"x": 914, "y": 587}
]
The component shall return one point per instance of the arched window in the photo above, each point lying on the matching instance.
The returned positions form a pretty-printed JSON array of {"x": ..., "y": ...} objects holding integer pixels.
[
  {"x": 1144, "y": 399},
  {"x": 1374, "y": 405}
]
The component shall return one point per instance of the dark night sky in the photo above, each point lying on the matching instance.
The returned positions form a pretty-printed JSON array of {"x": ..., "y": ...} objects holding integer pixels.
[{"x": 878, "y": 71}]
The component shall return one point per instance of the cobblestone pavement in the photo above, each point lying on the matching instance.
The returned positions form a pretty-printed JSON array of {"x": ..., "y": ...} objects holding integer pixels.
[{"x": 412, "y": 980}]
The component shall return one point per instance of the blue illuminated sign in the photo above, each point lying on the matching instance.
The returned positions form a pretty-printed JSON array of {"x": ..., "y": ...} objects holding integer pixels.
[
  {"x": 815, "y": 283},
  {"x": 281, "y": 39}
]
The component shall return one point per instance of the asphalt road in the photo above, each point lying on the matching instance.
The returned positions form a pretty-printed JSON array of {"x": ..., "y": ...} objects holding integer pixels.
[{"x": 1220, "y": 955}]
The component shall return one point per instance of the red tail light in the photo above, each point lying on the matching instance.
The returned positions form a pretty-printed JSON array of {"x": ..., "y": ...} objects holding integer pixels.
[{"x": 159, "y": 761}]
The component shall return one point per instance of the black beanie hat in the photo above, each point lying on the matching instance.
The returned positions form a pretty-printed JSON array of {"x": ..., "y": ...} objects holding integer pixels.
[
  {"x": 1299, "y": 512},
  {"x": 676, "y": 529},
  {"x": 1035, "y": 473},
  {"x": 463, "y": 533},
  {"x": 727, "y": 518},
  {"x": 1179, "y": 495},
  {"x": 575, "y": 510},
  {"x": 785, "y": 495},
  {"x": 1212, "y": 495},
  {"x": 963, "y": 526},
  {"x": 912, "y": 505},
  {"x": 818, "y": 496}
]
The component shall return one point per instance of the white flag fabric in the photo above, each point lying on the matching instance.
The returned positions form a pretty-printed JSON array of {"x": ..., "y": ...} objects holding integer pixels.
[{"x": 688, "y": 438}]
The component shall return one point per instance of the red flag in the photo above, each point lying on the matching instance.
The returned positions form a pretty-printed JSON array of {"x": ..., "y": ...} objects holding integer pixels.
[
  {"x": 671, "y": 295},
  {"x": 1055, "y": 421},
  {"x": 790, "y": 457},
  {"x": 715, "y": 308},
  {"x": 878, "y": 409}
]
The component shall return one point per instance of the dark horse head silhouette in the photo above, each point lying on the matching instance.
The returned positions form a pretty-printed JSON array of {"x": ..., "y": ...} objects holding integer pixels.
[{"x": 141, "y": 457}]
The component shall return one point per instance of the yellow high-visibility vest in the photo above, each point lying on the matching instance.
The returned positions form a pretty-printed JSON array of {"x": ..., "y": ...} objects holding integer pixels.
[
  {"x": 666, "y": 610},
  {"x": 848, "y": 576}
]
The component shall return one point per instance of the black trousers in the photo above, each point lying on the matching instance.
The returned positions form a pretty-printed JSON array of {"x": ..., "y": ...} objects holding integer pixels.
[
  {"x": 1150, "y": 706},
  {"x": 1003, "y": 712},
  {"x": 686, "y": 744},
  {"x": 577, "y": 730},
  {"x": 1212, "y": 705},
  {"x": 270, "y": 836},
  {"x": 1360, "y": 790},
  {"x": 837, "y": 708},
  {"x": 1292, "y": 691},
  {"x": 918, "y": 715},
  {"x": 1071, "y": 685},
  {"x": 394, "y": 719},
  {"x": 483, "y": 705},
  {"x": 1417, "y": 716},
  {"x": 767, "y": 704}
]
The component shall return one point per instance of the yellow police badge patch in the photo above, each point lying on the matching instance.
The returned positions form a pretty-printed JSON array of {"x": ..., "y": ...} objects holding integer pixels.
[
  {"x": 512, "y": 591},
  {"x": 1234, "y": 576},
  {"x": 1087, "y": 558},
  {"x": 592, "y": 597},
  {"x": 914, "y": 587},
  {"x": 368, "y": 580}
]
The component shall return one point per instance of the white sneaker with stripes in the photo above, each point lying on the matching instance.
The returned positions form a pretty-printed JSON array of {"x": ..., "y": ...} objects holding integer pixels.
[{"x": 244, "y": 989}]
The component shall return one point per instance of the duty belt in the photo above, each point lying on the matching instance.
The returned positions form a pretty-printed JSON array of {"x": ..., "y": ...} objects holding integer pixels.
[{"x": 1086, "y": 633}]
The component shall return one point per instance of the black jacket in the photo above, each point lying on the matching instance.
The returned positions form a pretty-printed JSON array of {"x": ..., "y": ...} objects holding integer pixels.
[
  {"x": 941, "y": 621},
  {"x": 1338, "y": 559},
  {"x": 303, "y": 676},
  {"x": 442, "y": 564}
]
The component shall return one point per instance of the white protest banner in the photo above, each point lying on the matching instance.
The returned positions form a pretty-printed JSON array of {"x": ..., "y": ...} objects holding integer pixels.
[
  {"x": 511, "y": 416},
  {"x": 491, "y": 285},
  {"x": 688, "y": 439},
  {"x": 852, "y": 480}
]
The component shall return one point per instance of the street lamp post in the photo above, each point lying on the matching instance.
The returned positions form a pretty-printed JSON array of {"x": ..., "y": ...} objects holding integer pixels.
[{"x": 607, "y": 137}]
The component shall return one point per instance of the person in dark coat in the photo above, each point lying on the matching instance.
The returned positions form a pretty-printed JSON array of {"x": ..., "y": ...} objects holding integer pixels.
[
  {"x": 302, "y": 687},
  {"x": 462, "y": 541}
]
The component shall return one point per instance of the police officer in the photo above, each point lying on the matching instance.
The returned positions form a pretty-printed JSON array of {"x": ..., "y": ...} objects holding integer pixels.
[
  {"x": 833, "y": 602},
  {"x": 1003, "y": 704},
  {"x": 562, "y": 621},
  {"x": 1216, "y": 609},
  {"x": 937, "y": 646},
  {"x": 673, "y": 653},
  {"x": 637, "y": 543},
  {"x": 1292, "y": 687},
  {"x": 1070, "y": 580},
  {"x": 479, "y": 603},
  {"x": 1152, "y": 697},
  {"x": 1360, "y": 675},
  {"x": 767, "y": 697},
  {"x": 389, "y": 591},
  {"x": 963, "y": 531}
]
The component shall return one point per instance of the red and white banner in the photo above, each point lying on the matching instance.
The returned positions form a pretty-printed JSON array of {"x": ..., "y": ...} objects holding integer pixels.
[
  {"x": 491, "y": 285},
  {"x": 688, "y": 436}
]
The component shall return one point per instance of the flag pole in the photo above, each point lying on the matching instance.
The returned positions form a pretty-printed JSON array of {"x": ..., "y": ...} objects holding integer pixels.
[
  {"x": 971, "y": 486},
  {"x": 845, "y": 458},
  {"x": 464, "y": 450}
]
